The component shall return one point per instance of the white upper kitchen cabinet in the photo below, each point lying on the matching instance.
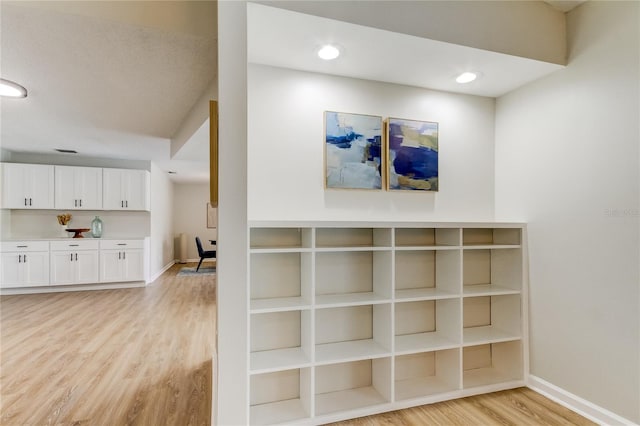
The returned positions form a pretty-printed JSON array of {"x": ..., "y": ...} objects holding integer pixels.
[
  {"x": 126, "y": 189},
  {"x": 27, "y": 186},
  {"x": 78, "y": 188}
]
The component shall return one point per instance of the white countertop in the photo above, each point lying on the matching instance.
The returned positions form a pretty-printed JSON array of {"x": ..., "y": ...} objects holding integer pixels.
[{"x": 127, "y": 237}]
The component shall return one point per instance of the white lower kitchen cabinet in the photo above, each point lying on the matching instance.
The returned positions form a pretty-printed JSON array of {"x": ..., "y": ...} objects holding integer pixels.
[
  {"x": 74, "y": 262},
  {"x": 24, "y": 264},
  {"x": 121, "y": 260},
  {"x": 65, "y": 264}
]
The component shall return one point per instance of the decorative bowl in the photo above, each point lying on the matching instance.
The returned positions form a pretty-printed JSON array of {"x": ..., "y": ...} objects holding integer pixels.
[{"x": 78, "y": 232}]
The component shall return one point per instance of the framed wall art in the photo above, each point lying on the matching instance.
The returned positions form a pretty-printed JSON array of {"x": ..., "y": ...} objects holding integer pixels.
[
  {"x": 412, "y": 155},
  {"x": 353, "y": 151}
]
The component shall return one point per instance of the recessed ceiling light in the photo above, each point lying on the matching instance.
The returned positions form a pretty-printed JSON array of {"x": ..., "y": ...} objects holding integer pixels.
[
  {"x": 328, "y": 52},
  {"x": 12, "y": 90},
  {"x": 466, "y": 77}
]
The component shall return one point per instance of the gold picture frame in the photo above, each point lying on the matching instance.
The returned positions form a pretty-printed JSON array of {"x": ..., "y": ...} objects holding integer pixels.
[{"x": 353, "y": 151}]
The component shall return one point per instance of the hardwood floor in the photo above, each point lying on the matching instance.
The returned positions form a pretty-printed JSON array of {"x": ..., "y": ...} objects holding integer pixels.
[
  {"x": 143, "y": 357},
  {"x": 116, "y": 357},
  {"x": 517, "y": 407}
]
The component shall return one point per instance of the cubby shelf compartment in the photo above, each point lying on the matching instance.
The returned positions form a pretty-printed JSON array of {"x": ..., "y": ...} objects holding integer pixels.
[
  {"x": 353, "y": 238},
  {"x": 352, "y": 278},
  {"x": 280, "y": 397},
  {"x": 427, "y": 325},
  {"x": 278, "y": 304},
  {"x": 427, "y": 274},
  {"x": 352, "y": 318},
  {"x": 280, "y": 281},
  {"x": 488, "y": 272},
  {"x": 491, "y": 237},
  {"x": 492, "y": 363},
  {"x": 491, "y": 319},
  {"x": 280, "y": 341},
  {"x": 427, "y": 373},
  {"x": 352, "y": 385},
  {"x": 280, "y": 238},
  {"x": 427, "y": 238},
  {"x": 352, "y": 333}
]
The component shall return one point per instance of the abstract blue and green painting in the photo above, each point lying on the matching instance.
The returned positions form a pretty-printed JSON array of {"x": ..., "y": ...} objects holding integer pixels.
[
  {"x": 353, "y": 150},
  {"x": 413, "y": 155}
]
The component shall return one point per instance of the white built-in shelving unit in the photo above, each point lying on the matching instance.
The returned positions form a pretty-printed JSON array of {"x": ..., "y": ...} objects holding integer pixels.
[{"x": 349, "y": 319}]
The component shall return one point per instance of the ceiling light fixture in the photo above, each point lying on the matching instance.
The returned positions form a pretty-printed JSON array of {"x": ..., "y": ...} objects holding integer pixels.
[
  {"x": 328, "y": 52},
  {"x": 12, "y": 90},
  {"x": 466, "y": 77}
]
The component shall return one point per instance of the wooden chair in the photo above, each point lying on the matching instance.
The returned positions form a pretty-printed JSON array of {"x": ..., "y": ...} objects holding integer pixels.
[{"x": 204, "y": 254}]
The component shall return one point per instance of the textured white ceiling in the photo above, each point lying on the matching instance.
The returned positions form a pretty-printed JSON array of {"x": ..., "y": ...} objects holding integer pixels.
[{"x": 102, "y": 86}]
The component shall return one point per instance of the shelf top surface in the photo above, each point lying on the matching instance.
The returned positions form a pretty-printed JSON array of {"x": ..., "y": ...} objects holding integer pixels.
[{"x": 379, "y": 224}]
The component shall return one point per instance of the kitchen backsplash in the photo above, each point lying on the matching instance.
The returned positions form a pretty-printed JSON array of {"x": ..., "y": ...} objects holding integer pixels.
[{"x": 43, "y": 223}]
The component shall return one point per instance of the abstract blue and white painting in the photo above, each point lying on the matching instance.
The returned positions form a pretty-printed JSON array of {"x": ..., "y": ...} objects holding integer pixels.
[
  {"x": 413, "y": 155},
  {"x": 353, "y": 150}
]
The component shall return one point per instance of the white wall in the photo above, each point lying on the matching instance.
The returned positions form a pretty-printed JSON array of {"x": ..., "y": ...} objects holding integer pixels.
[
  {"x": 230, "y": 406},
  {"x": 285, "y": 152},
  {"x": 77, "y": 160},
  {"x": 567, "y": 162},
  {"x": 161, "y": 233},
  {"x": 190, "y": 216},
  {"x": 5, "y": 215}
]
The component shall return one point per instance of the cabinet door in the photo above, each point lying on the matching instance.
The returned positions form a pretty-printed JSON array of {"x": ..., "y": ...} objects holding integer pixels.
[
  {"x": 89, "y": 187},
  {"x": 133, "y": 265},
  {"x": 136, "y": 188},
  {"x": 78, "y": 188},
  {"x": 27, "y": 186},
  {"x": 36, "y": 266},
  {"x": 111, "y": 266},
  {"x": 62, "y": 268},
  {"x": 112, "y": 196},
  {"x": 86, "y": 266},
  {"x": 65, "y": 194},
  {"x": 40, "y": 186},
  {"x": 12, "y": 273}
]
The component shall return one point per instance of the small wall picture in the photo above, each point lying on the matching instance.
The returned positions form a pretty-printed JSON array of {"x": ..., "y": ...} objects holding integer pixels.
[
  {"x": 353, "y": 151},
  {"x": 412, "y": 155}
]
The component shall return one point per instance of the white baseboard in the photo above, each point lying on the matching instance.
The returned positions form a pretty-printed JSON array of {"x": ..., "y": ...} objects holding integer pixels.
[
  {"x": 162, "y": 271},
  {"x": 76, "y": 287},
  {"x": 575, "y": 403}
]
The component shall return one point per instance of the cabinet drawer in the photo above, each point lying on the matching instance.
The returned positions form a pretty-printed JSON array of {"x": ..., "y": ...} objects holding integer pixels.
[
  {"x": 24, "y": 246},
  {"x": 74, "y": 244},
  {"x": 121, "y": 244}
]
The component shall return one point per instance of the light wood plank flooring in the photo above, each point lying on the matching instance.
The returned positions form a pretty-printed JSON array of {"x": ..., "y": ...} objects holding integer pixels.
[
  {"x": 143, "y": 357},
  {"x": 517, "y": 407},
  {"x": 116, "y": 357}
]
